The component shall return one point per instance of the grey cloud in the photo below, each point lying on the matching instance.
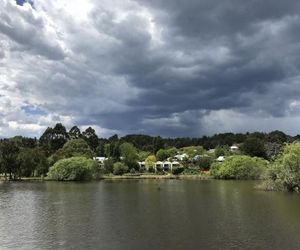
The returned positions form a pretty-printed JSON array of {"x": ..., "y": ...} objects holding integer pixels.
[
  {"x": 28, "y": 30},
  {"x": 162, "y": 67}
]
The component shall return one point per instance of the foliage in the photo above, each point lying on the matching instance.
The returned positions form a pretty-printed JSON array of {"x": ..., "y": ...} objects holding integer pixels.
[
  {"x": 142, "y": 155},
  {"x": 89, "y": 135},
  {"x": 177, "y": 170},
  {"x": 239, "y": 167},
  {"x": 75, "y": 133},
  {"x": 76, "y": 147},
  {"x": 129, "y": 155},
  {"x": 9, "y": 158},
  {"x": 203, "y": 162},
  {"x": 254, "y": 147},
  {"x": 192, "y": 151},
  {"x": 108, "y": 166},
  {"x": 150, "y": 161},
  {"x": 119, "y": 168},
  {"x": 54, "y": 138},
  {"x": 285, "y": 172},
  {"x": 162, "y": 154},
  {"x": 73, "y": 169},
  {"x": 273, "y": 149},
  {"x": 32, "y": 162},
  {"x": 222, "y": 150}
]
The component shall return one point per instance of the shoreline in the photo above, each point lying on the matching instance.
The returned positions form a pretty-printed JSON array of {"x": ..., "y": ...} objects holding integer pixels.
[
  {"x": 156, "y": 177},
  {"x": 124, "y": 177}
]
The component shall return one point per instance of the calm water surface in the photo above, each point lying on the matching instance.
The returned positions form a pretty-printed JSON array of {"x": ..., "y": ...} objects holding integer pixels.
[{"x": 180, "y": 214}]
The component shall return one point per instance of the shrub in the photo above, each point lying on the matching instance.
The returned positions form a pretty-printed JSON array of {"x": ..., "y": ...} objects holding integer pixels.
[
  {"x": 73, "y": 169},
  {"x": 285, "y": 172},
  {"x": 120, "y": 168},
  {"x": 239, "y": 167},
  {"x": 108, "y": 166},
  {"x": 204, "y": 162},
  {"x": 177, "y": 170}
]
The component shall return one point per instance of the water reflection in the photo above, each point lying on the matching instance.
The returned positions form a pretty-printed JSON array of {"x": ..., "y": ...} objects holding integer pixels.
[{"x": 180, "y": 214}]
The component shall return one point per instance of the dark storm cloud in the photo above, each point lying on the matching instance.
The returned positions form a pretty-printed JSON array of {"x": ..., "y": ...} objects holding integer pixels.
[
  {"x": 172, "y": 67},
  {"x": 262, "y": 49}
]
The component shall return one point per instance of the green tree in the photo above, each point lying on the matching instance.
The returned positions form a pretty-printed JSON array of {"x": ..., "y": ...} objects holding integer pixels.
[
  {"x": 73, "y": 169},
  {"x": 26, "y": 161},
  {"x": 142, "y": 155},
  {"x": 172, "y": 151},
  {"x": 54, "y": 138},
  {"x": 150, "y": 162},
  {"x": 157, "y": 143},
  {"x": 108, "y": 166},
  {"x": 76, "y": 147},
  {"x": 285, "y": 172},
  {"x": 119, "y": 168},
  {"x": 32, "y": 162},
  {"x": 162, "y": 154},
  {"x": 129, "y": 155},
  {"x": 9, "y": 159},
  {"x": 239, "y": 167},
  {"x": 75, "y": 133},
  {"x": 203, "y": 162},
  {"x": 91, "y": 138},
  {"x": 100, "y": 150},
  {"x": 254, "y": 146},
  {"x": 222, "y": 150}
]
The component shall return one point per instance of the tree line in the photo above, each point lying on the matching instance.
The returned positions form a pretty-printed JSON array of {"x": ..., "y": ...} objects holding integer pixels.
[{"x": 27, "y": 157}]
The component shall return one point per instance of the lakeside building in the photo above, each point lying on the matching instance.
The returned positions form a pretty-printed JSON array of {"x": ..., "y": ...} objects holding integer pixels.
[
  {"x": 100, "y": 160},
  {"x": 234, "y": 148},
  {"x": 181, "y": 157},
  {"x": 161, "y": 165},
  {"x": 221, "y": 158}
]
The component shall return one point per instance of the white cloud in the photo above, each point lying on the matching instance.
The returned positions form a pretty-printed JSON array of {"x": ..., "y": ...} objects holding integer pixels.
[{"x": 128, "y": 65}]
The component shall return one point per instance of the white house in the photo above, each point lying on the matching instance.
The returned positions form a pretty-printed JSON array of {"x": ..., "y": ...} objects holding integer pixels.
[
  {"x": 234, "y": 148},
  {"x": 175, "y": 164},
  {"x": 167, "y": 165},
  {"x": 181, "y": 157},
  {"x": 221, "y": 158},
  {"x": 142, "y": 164},
  {"x": 159, "y": 164},
  {"x": 100, "y": 159}
]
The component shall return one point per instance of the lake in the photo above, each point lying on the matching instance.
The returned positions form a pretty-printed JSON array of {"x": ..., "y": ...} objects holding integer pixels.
[{"x": 147, "y": 214}]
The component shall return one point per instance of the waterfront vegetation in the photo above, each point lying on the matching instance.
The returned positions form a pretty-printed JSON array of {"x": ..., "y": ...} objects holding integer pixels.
[
  {"x": 68, "y": 156},
  {"x": 240, "y": 167}
]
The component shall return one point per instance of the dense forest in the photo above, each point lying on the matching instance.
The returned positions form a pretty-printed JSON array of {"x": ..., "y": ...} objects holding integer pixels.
[{"x": 68, "y": 155}]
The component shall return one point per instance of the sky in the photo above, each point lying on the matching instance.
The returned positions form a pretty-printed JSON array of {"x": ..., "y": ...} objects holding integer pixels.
[{"x": 163, "y": 67}]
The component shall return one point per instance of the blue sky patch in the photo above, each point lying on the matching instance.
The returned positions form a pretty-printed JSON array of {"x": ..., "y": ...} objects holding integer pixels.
[
  {"x": 21, "y": 2},
  {"x": 33, "y": 110}
]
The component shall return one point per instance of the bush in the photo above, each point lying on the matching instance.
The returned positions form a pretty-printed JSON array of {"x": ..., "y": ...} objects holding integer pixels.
[
  {"x": 192, "y": 171},
  {"x": 120, "y": 168},
  {"x": 239, "y": 167},
  {"x": 108, "y": 166},
  {"x": 73, "y": 169},
  {"x": 177, "y": 170},
  {"x": 203, "y": 162},
  {"x": 285, "y": 172}
]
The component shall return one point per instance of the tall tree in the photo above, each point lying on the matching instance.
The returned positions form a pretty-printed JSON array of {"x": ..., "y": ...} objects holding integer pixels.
[
  {"x": 129, "y": 155},
  {"x": 9, "y": 158},
  {"x": 254, "y": 146},
  {"x": 75, "y": 133},
  {"x": 90, "y": 136},
  {"x": 54, "y": 138}
]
